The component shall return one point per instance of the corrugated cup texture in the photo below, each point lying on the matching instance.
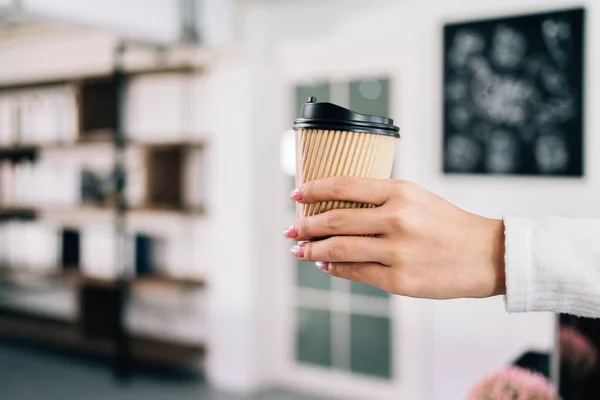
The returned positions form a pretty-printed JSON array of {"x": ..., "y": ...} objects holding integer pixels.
[{"x": 325, "y": 153}]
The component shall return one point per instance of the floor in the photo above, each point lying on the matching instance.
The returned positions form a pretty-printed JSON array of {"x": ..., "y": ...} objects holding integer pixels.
[{"x": 27, "y": 374}]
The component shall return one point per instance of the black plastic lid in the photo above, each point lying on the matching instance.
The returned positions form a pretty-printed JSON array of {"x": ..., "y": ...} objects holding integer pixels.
[{"x": 332, "y": 117}]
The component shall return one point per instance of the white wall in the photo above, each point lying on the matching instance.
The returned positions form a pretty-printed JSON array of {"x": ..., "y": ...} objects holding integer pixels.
[
  {"x": 143, "y": 19},
  {"x": 139, "y": 19},
  {"x": 232, "y": 277},
  {"x": 468, "y": 338}
]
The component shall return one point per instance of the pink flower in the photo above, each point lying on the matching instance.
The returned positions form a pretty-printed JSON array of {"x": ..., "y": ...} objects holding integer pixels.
[
  {"x": 514, "y": 383},
  {"x": 577, "y": 350}
]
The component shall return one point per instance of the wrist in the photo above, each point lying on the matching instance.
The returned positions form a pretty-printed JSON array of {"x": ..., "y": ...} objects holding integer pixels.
[
  {"x": 497, "y": 257},
  {"x": 488, "y": 247}
]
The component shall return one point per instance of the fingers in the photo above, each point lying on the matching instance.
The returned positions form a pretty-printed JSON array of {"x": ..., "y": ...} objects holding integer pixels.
[
  {"x": 344, "y": 249},
  {"x": 343, "y": 188},
  {"x": 373, "y": 274},
  {"x": 365, "y": 221}
]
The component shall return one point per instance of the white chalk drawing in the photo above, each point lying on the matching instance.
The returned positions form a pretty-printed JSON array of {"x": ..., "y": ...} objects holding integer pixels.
[
  {"x": 460, "y": 117},
  {"x": 457, "y": 89},
  {"x": 502, "y": 152},
  {"x": 507, "y": 85},
  {"x": 551, "y": 153},
  {"x": 478, "y": 65},
  {"x": 465, "y": 45},
  {"x": 554, "y": 80},
  {"x": 508, "y": 47},
  {"x": 502, "y": 98},
  {"x": 557, "y": 35},
  {"x": 462, "y": 152}
]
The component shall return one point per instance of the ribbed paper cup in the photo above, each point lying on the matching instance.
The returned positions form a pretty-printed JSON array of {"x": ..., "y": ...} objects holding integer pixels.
[{"x": 322, "y": 153}]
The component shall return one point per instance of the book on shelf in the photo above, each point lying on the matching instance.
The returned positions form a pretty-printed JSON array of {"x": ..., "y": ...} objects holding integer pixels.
[
  {"x": 31, "y": 246},
  {"x": 7, "y": 121},
  {"x": 7, "y": 185},
  {"x": 38, "y": 116},
  {"x": 4, "y": 245},
  {"x": 70, "y": 255},
  {"x": 148, "y": 254},
  {"x": 25, "y": 175},
  {"x": 42, "y": 183},
  {"x": 98, "y": 252}
]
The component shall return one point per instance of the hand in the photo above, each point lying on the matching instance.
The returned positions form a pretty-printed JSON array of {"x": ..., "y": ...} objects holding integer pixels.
[{"x": 424, "y": 246}]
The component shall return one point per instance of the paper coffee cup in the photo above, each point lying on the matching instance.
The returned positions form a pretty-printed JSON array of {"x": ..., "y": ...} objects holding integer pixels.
[{"x": 334, "y": 141}]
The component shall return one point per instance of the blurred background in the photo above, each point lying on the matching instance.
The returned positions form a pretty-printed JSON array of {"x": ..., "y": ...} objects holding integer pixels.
[{"x": 146, "y": 159}]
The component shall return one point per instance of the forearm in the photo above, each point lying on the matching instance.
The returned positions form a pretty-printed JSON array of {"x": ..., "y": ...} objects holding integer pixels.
[{"x": 553, "y": 264}]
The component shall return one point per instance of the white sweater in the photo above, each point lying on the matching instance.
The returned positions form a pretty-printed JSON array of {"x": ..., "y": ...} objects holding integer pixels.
[{"x": 553, "y": 264}]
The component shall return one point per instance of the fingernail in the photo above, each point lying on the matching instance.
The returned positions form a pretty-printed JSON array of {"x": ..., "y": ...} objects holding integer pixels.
[
  {"x": 323, "y": 266},
  {"x": 290, "y": 232},
  {"x": 297, "y": 251},
  {"x": 296, "y": 194}
]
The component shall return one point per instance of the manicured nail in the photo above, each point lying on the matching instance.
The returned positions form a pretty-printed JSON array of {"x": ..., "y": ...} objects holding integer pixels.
[
  {"x": 297, "y": 251},
  {"x": 323, "y": 266},
  {"x": 296, "y": 194},
  {"x": 290, "y": 232}
]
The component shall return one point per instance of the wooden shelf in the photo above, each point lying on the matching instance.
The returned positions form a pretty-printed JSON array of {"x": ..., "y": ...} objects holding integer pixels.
[
  {"x": 196, "y": 210},
  {"x": 75, "y": 277},
  {"x": 76, "y": 79},
  {"x": 18, "y": 153},
  {"x": 166, "y": 281},
  {"x": 17, "y": 213},
  {"x": 100, "y": 208},
  {"x": 93, "y": 137},
  {"x": 105, "y": 138},
  {"x": 184, "y": 143},
  {"x": 138, "y": 282},
  {"x": 147, "y": 209},
  {"x": 137, "y": 218}
]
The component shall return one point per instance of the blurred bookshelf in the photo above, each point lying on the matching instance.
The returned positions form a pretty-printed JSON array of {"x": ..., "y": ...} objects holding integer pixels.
[{"x": 64, "y": 140}]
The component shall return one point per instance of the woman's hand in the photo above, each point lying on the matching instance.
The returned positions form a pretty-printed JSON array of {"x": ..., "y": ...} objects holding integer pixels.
[{"x": 424, "y": 246}]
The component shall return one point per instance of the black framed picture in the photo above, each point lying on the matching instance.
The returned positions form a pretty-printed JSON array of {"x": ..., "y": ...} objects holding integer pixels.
[{"x": 513, "y": 95}]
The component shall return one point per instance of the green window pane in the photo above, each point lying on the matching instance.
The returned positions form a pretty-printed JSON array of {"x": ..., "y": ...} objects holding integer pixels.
[
  {"x": 309, "y": 276},
  {"x": 361, "y": 288},
  {"x": 370, "y": 96},
  {"x": 370, "y": 345},
  {"x": 313, "y": 337},
  {"x": 322, "y": 91}
]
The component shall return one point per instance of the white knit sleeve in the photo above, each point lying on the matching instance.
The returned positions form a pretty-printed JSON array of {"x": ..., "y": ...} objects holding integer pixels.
[{"x": 553, "y": 264}]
